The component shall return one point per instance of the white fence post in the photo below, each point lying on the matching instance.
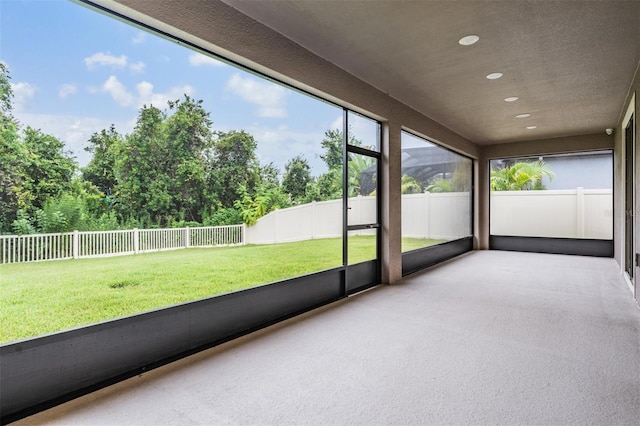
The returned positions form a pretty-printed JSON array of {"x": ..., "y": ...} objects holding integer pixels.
[
  {"x": 244, "y": 234},
  {"x": 76, "y": 242},
  {"x": 136, "y": 241},
  {"x": 313, "y": 220},
  {"x": 187, "y": 237},
  {"x": 427, "y": 206},
  {"x": 580, "y": 212}
]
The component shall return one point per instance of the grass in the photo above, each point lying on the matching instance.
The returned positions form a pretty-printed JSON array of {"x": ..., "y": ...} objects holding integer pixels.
[{"x": 44, "y": 297}]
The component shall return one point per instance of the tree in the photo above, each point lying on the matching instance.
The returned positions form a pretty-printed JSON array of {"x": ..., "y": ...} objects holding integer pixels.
[
  {"x": 265, "y": 197},
  {"x": 162, "y": 166},
  {"x": 332, "y": 144},
  {"x": 143, "y": 185},
  {"x": 328, "y": 186},
  {"x": 520, "y": 176},
  {"x": 460, "y": 181},
  {"x": 297, "y": 175},
  {"x": 101, "y": 169},
  {"x": 357, "y": 165},
  {"x": 50, "y": 169},
  {"x": 65, "y": 214},
  {"x": 264, "y": 200},
  {"x": 269, "y": 175},
  {"x": 6, "y": 92},
  {"x": 409, "y": 185},
  {"x": 13, "y": 156},
  {"x": 35, "y": 169},
  {"x": 234, "y": 165},
  {"x": 49, "y": 182},
  {"x": 269, "y": 185},
  {"x": 441, "y": 185},
  {"x": 189, "y": 137}
]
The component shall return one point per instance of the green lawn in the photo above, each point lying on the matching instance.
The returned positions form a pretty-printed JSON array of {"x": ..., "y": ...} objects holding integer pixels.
[{"x": 43, "y": 297}]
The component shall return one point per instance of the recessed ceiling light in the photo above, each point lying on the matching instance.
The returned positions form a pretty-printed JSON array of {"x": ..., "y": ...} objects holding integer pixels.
[
  {"x": 511, "y": 99},
  {"x": 495, "y": 75},
  {"x": 468, "y": 40},
  {"x": 531, "y": 127},
  {"x": 523, "y": 115}
]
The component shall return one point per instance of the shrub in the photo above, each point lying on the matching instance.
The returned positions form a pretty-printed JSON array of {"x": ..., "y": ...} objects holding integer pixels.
[{"x": 228, "y": 216}]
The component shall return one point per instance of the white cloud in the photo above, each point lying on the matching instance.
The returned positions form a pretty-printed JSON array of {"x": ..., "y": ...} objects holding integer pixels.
[
  {"x": 118, "y": 91},
  {"x": 143, "y": 95},
  {"x": 67, "y": 89},
  {"x": 137, "y": 67},
  {"x": 22, "y": 93},
  {"x": 102, "y": 59},
  {"x": 278, "y": 144},
  {"x": 197, "y": 59},
  {"x": 147, "y": 97},
  {"x": 337, "y": 123},
  {"x": 74, "y": 131},
  {"x": 361, "y": 128},
  {"x": 269, "y": 97},
  {"x": 139, "y": 38},
  {"x": 105, "y": 59}
]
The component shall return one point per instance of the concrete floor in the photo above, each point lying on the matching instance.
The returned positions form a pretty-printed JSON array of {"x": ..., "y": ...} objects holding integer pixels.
[{"x": 488, "y": 338}]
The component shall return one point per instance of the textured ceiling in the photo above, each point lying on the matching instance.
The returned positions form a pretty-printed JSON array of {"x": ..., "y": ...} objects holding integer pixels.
[{"x": 570, "y": 62}]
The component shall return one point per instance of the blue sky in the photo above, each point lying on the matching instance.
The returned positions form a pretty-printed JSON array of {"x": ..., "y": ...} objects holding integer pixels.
[{"x": 75, "y": 71}]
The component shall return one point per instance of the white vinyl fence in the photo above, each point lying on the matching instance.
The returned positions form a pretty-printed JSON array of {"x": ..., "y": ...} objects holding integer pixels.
[
  {"x": 578, "y": 213},
  {"x": 572, "y": 213},
  {"x": 439, "y": 216},
  {"x": 78, "y": 245},
  {"x": 304, "y": 222}
]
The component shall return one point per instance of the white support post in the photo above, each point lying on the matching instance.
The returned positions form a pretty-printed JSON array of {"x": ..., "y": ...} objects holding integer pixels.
[
  {"x": 187, "y": 237},
  {"x": 76, "y": 242}
]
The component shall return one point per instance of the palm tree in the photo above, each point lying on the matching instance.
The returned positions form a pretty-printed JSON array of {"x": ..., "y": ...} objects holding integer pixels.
[
  {"x": 357, "y": 165},
  {"x": 520, "y": 176},
  {"x": 409, "y": 185},
  {"x": 460, "y": 181},
  {"x": 441, "y": 185}
]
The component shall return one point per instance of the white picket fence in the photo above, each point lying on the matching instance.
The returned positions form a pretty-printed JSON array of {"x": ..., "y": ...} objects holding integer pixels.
[{"x": 79, "y": 245}]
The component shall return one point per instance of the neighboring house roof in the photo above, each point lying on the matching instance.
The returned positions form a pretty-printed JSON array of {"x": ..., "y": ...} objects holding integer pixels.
[
  {"x": 592, "y": 170},
  {"x": 420, "y": 163}
]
